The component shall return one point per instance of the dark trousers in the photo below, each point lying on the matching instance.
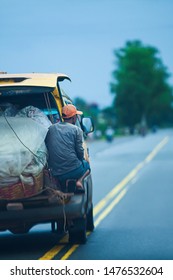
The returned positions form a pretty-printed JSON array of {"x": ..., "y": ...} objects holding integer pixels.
[{"x": 76, "y": 173}]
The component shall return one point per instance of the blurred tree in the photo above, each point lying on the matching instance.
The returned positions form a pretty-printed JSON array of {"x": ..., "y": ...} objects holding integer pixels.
[
  {"x": 91, "y": 110},
  {"x": 140, "y": 86},
  {"x": 109, "y": 115},
  {"x": 81, "y": 104}
]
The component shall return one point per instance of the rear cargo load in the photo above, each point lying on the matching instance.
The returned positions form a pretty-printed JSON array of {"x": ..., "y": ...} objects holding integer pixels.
[{"x": 23, "y": 156}]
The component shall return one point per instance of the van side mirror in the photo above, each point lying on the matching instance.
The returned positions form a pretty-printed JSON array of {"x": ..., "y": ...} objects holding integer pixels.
[{"x": 87, "y": 125}]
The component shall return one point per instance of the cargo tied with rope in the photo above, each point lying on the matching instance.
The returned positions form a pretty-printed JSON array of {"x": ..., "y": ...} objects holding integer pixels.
[
  {"x": 22, "y": 190},
  {"x": 23, "y": 156}
]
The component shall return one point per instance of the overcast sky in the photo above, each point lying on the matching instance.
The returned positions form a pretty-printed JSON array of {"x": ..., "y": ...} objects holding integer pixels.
[{"x": 77, "y": 37}]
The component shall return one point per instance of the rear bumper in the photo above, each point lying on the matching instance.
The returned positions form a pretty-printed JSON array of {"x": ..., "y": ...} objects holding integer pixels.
[{"x": 74, "y": 208}]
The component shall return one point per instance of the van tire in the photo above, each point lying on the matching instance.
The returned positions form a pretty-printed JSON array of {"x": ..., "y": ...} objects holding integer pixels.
[
  {"x": 90, "y": 220},
  {"x": 77, "y": 233}
]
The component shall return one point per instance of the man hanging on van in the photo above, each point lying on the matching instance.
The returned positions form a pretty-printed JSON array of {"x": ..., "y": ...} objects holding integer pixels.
[{"x": 64, "y": 141}]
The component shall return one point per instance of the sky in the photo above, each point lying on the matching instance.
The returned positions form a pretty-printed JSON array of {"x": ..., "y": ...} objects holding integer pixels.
[{"x": 78, "y": 38}]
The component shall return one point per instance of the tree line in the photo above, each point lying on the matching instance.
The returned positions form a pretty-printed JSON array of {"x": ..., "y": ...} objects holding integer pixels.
[{"x": 142, "y": 94}]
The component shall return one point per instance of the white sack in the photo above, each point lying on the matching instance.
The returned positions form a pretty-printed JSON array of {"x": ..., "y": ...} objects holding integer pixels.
[
  {"x": 36, "y": 114},
  {"x": 14, "y": 156}
]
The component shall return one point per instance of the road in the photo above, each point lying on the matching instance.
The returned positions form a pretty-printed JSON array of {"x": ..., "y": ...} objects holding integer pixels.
[{"x": 133, "y": 208}]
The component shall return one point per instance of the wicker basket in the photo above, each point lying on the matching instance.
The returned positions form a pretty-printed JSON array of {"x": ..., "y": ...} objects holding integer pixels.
[{"x": 21, "y": 190}]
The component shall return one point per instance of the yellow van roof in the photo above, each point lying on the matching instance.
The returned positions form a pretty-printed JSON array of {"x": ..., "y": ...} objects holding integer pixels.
[{"x": 32, "y": 79}]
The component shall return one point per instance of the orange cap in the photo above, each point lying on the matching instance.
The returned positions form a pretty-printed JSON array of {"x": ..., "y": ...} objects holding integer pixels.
[{"x": 69, "y": 110}]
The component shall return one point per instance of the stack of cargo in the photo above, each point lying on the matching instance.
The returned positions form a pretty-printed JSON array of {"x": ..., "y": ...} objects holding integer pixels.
[{"x": 23, "y": 153}]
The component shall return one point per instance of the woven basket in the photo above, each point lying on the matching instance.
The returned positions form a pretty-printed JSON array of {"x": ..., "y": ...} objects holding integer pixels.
[{"x": 21, "y": 190}]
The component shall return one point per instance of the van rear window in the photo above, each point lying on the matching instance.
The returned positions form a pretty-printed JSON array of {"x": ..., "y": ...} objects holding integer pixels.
[{"x": 8, "y": 91}]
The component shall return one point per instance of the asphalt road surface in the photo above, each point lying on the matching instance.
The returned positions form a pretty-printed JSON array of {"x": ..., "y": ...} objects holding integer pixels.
[{"x": 133, "y": 206}]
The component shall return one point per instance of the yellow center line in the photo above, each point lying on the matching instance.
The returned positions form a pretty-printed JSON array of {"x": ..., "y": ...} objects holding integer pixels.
[
  {"x": 98, "y": 220},
  {"x": 157, "y": 149},
  {"x": 113, "y": 192},
  {"x": 70, "y": 252},
  {"x": 110, "y": 207},
  {"x": 128, "y": 178},
  {"x": 55, "y": 250},
  {"x": 118, "y": 189}
]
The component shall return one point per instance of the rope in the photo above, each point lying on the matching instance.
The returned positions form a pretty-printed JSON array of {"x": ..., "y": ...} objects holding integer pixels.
[{"x": 19, "y": 138}]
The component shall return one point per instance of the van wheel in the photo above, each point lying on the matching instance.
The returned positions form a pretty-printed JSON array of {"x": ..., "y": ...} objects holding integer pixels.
[
  {"x": 90, "y": 220},
  {"x": 77, "y": 233}
]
